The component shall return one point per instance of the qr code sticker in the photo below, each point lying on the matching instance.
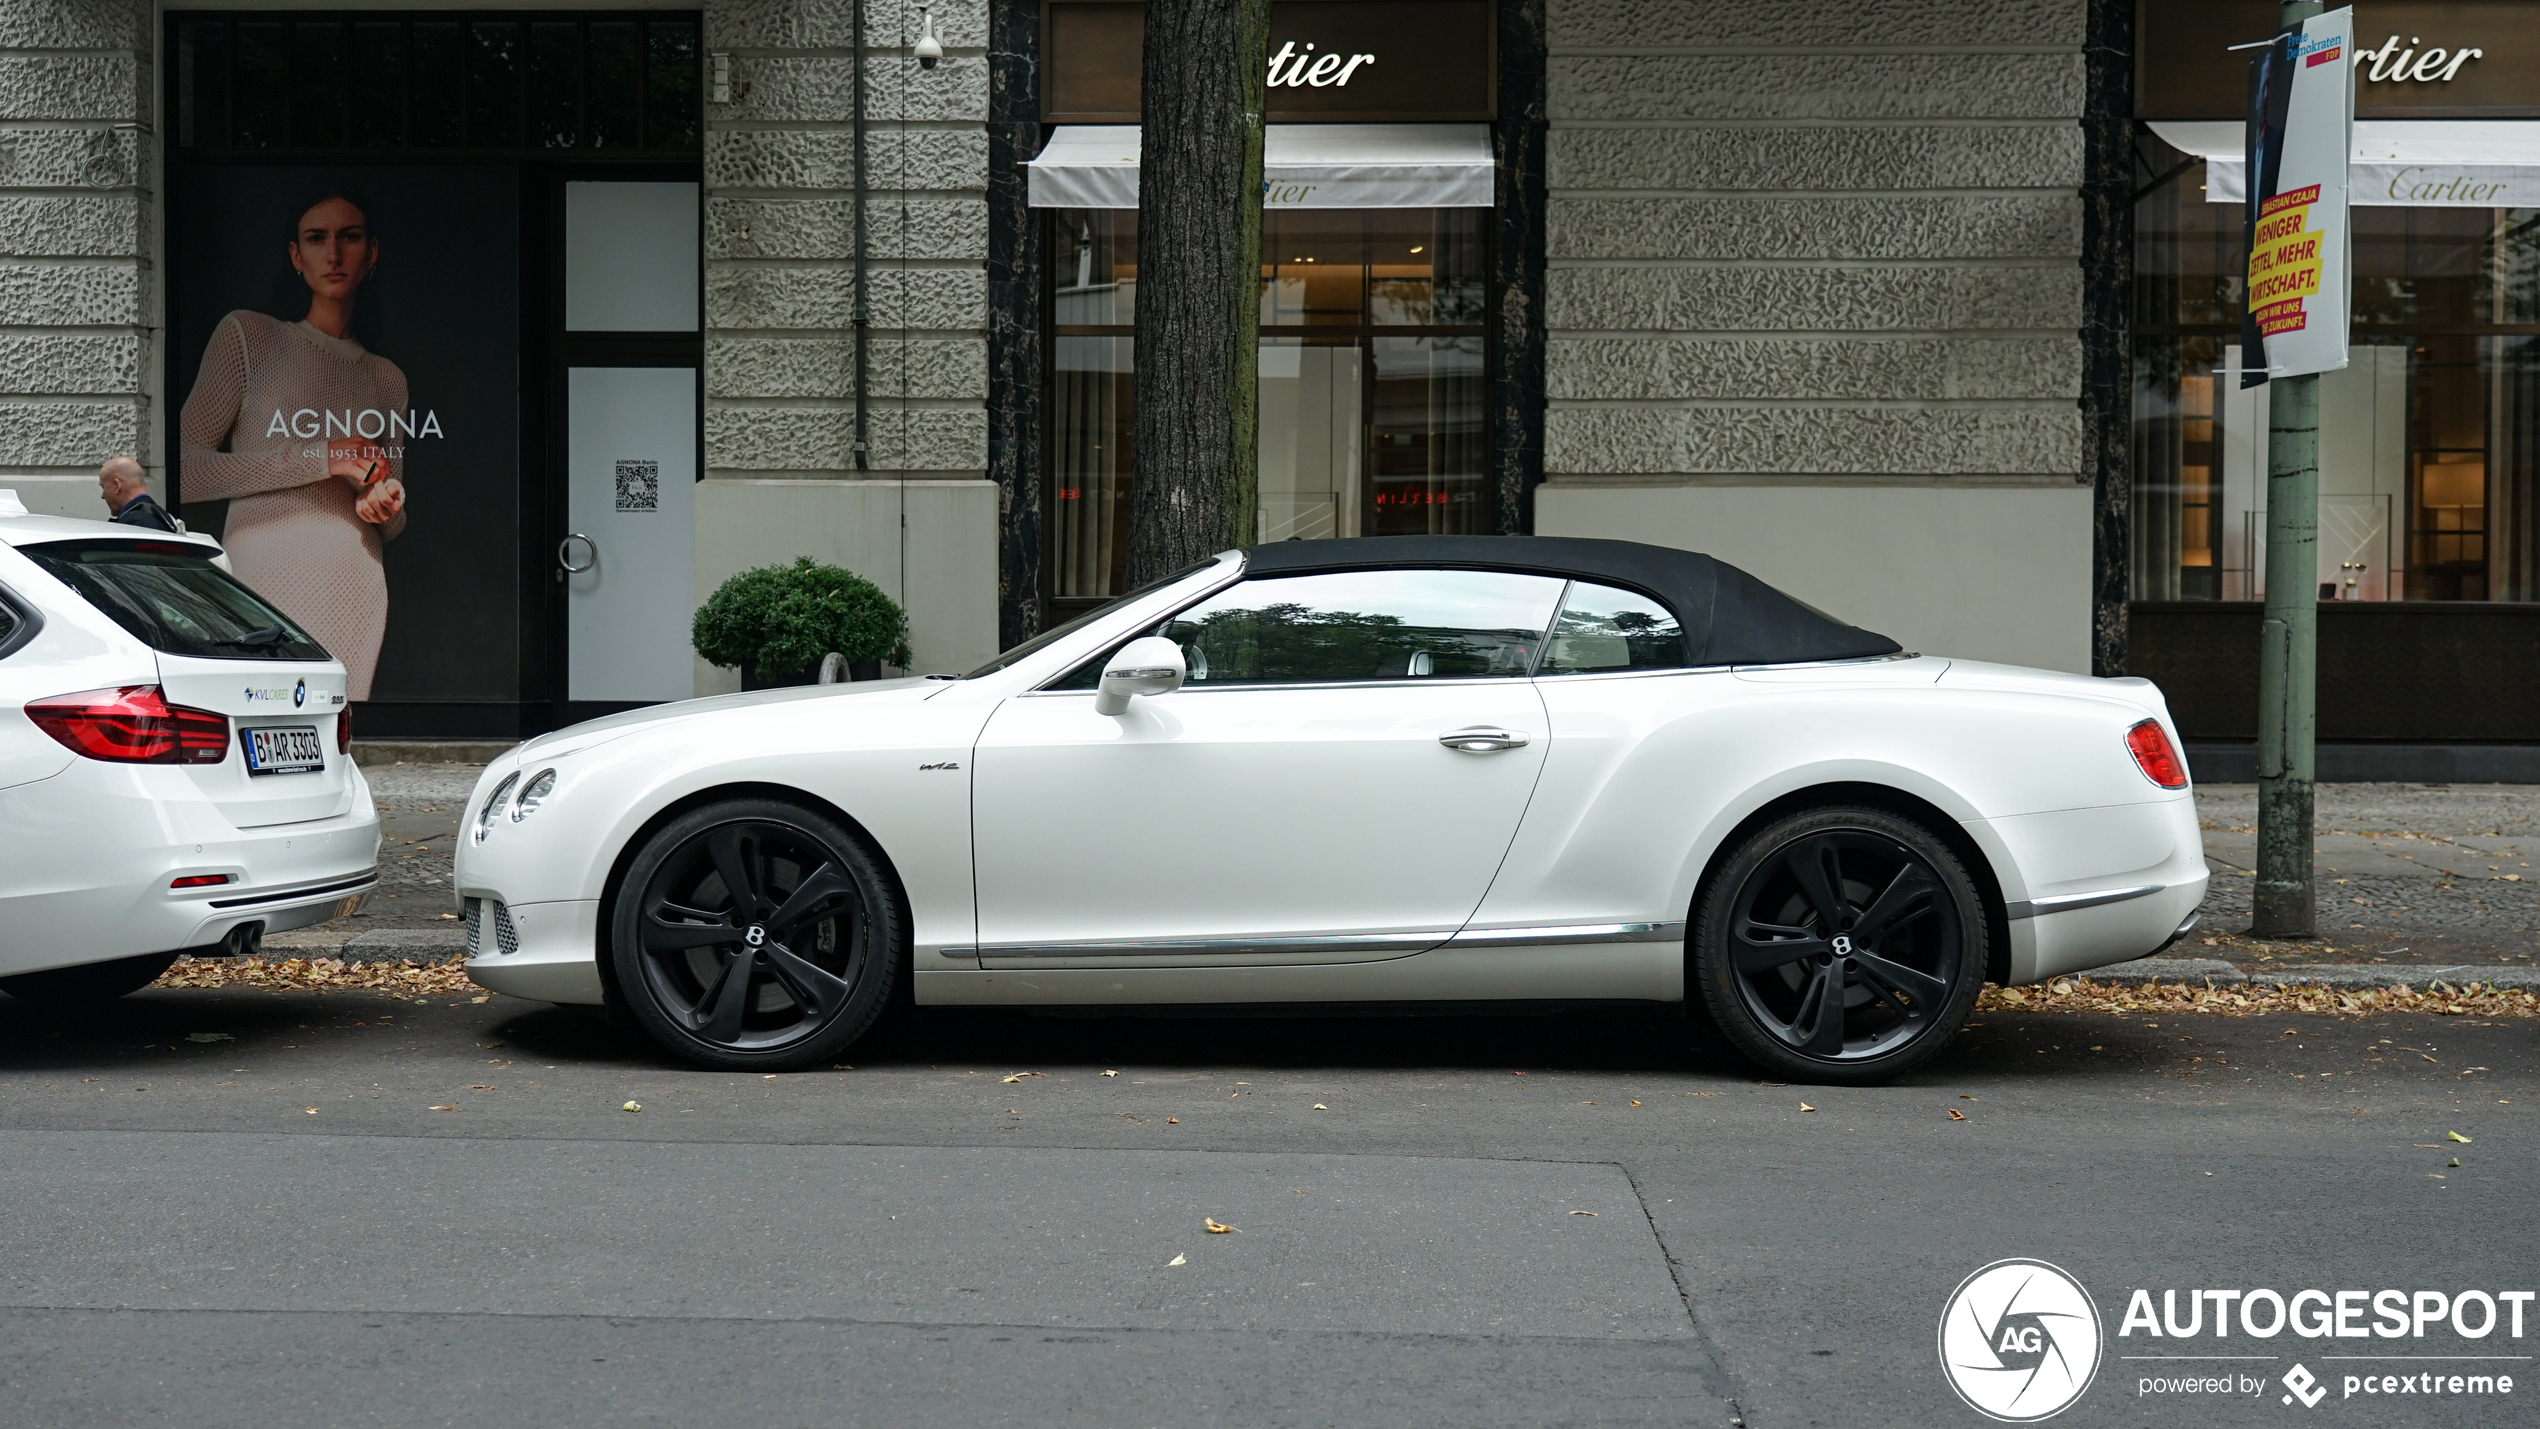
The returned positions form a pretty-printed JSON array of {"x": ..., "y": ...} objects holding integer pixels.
[{"x": 639, "y": 486}]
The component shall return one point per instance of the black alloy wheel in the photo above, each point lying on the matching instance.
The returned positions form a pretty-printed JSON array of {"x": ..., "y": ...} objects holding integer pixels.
[
  {"x": 89, "y": 982},
  {"x": 1840, "y": 945},
  {"x": 756, "y": 936}
]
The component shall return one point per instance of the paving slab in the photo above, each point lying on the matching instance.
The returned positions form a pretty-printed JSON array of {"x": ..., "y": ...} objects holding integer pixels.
[{"x": 912, "y": 1234}]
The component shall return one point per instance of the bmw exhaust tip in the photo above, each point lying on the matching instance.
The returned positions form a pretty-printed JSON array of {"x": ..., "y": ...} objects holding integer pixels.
[{"x": 247, "y": 940}]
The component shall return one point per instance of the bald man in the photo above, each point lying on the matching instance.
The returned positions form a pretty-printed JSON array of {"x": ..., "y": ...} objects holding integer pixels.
[{"x": 120, "y": 485}]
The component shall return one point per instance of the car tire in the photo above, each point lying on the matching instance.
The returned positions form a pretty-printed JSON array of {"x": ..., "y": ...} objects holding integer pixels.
[
  {"x": 1839, "y": 944},
  {"x": 89, "y": 982},
  {"x": 816, "y": 933}
]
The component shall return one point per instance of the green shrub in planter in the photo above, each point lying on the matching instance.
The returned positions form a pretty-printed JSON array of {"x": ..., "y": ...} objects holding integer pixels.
[{"x": 776, "y": 621}]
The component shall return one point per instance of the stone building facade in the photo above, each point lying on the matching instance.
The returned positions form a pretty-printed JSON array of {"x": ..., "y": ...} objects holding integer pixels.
[
  {"x": 781, "y": 474},
  {"x": 78, "y": 240},
  {"x": 1815, "y": 305},
  {"x": 1809, "y": 293}
]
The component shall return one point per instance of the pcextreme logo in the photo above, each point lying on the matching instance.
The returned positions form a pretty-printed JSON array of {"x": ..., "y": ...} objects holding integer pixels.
[{"x": 2019, "y": 1341}]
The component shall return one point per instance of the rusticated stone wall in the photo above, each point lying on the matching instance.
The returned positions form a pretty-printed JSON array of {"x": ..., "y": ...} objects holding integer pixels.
[
  {"x": 1794, "y": 241},
  {"x": 781, "y": 477},
  {"x": 1793, "y": 248},
  {"x": 780, "y": 297},
  {"x": 75, "y": 271}
]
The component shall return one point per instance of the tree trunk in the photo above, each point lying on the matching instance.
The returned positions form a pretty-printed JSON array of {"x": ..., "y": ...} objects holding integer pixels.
[{"x": 1199, "y": 283}]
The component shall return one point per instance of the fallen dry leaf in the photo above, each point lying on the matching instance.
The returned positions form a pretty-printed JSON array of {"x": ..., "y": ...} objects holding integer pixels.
[
  {"x": 1172, "y": 1121},
  {"x": 1583, "y": 1213},
  {"x": 1179, "y": 1260},
  {"x": 1318, "y": 1106},
  {"x": 1957, "y": 1115},
  {"x": 632, "y": 1106},
  {"x": 2456, "y": 1136},
  {"x": 2264, "y": 999},
  {"x": 1214, "y": 1228},
  {"x": 1803, "y": 1106},
  {"x": 454, "y": 1106},
  {"x": 310, "y": 1110},
  {"x": 480, "y": 1086},
  {"x": 408, "y": 976},
  {"x": 1111, "y": 1074}
]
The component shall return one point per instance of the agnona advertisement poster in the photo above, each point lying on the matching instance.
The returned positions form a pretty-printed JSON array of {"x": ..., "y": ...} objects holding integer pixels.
[{"x": 347, "y": 393}]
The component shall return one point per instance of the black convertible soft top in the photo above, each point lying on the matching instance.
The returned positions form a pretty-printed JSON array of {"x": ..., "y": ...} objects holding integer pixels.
[{"x": 1729, "y": 617}]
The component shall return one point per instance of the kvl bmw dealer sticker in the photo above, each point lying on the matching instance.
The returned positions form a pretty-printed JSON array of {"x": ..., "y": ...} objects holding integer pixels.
[{"x": 2019, "y": 1341}]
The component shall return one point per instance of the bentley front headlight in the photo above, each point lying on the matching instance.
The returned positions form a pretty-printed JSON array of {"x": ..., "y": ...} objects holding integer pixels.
[
  {"x": 533, "y": 794},
  {"x": 494, "y": 805}
]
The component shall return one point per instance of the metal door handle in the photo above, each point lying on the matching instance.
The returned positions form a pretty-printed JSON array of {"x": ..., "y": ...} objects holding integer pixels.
[
  {"x": 1483, "y": 739},
  {"x": 564, "y": 562}
]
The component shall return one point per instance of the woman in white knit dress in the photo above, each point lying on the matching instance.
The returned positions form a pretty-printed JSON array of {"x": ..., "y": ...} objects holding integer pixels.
[{"x": 310, "y": 500}]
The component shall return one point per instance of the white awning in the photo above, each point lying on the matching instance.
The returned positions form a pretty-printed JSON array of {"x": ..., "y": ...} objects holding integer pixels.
[
  {"x": 1303, "y": 166},
  {"x": 2398, "y": 163}
]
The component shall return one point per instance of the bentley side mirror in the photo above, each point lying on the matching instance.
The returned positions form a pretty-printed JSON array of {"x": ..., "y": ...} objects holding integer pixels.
[{"x": 1151, "y": 665}]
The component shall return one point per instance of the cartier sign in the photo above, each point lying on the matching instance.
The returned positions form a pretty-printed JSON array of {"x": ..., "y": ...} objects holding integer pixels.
[
  {"x": 2415, "y": 59},
  {"x": 1331, "y": 61}
]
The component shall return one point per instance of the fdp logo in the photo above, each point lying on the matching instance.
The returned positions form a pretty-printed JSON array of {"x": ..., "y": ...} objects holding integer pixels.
[{"x": 2019, "y": 1341}]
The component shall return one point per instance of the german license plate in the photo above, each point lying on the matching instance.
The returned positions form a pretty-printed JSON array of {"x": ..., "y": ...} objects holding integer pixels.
[{"x": 284, "y": 749}]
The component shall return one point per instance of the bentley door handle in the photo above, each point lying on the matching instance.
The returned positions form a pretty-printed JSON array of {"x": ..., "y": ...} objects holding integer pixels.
[{"x": 1483, "y": 739}]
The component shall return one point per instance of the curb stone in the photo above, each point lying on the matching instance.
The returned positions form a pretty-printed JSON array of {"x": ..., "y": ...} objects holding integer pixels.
[
  {"x": 369, "y": 945},
  {"x": 2342, "y": 975}
]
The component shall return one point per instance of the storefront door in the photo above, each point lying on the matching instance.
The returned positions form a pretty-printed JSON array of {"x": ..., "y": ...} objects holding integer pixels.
[{"x": 627, "y": 380}]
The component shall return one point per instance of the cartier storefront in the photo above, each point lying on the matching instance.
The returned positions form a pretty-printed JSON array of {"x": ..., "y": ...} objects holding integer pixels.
[
  {"x": 1377, "y": 292},
  {"x": 2429, "y": 535}
]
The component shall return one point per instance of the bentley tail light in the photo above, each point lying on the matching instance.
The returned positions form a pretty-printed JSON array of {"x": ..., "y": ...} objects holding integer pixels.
[
  {"x": 2155, "y": 755},
  {"x": 132, "y": 725}
]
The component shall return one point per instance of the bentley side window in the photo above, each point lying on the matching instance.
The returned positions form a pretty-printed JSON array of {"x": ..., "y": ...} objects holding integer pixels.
[
  {"x": 1602, "y": 628},
  {"x": 1350, "y": 627}
]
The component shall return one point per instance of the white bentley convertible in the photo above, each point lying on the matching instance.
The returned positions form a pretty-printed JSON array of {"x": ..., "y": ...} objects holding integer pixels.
[{"x": 1473, "y": 770}]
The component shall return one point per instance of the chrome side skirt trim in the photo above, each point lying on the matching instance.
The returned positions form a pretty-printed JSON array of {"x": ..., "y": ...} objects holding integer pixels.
[
  {"x": 2066, "y": 902},
  {"x": 1569, "y": 933},
  {"x": 1339, "y": 942},
  {"x": 1187, "y": 947}
]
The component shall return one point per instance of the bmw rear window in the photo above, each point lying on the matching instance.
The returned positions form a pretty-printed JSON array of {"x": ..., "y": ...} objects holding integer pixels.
[{"x": 170, "y": 596}]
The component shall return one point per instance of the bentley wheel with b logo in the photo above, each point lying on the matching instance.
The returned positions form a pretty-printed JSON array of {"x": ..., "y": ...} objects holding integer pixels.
[
  {"x": 2019, "y": 1341},
  {"x": 756, "y": 935}
]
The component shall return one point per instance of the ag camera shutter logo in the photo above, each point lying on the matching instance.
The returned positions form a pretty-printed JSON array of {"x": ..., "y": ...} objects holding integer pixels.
[{"x": 2019, "y": 1341}]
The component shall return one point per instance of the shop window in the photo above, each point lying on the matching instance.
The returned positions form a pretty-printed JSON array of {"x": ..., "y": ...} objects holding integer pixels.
[
  {"x": 492, "y": 85},
  {"x": 1373, "y": 375},
  {"x": 2429, "y": 438}
]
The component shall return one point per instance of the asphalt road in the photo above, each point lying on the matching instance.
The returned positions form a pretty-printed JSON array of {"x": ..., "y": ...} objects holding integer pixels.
[{"x": 280, "y": 1229}]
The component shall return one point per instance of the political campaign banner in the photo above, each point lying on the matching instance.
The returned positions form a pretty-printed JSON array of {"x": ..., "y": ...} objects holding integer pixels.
[{"x": 2301, "y": 133}]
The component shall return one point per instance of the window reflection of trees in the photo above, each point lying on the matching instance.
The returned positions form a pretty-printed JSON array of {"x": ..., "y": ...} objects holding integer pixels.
[{"x": 1290, "y": 643}]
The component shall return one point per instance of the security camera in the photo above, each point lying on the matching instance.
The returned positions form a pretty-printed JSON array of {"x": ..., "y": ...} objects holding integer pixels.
[{"x": 930, "y": 51}]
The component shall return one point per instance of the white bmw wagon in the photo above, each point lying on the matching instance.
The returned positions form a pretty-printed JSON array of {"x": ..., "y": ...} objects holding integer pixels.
[
  {"x": 1403, "y": 770},
  {"x": 175, "y": 766}
]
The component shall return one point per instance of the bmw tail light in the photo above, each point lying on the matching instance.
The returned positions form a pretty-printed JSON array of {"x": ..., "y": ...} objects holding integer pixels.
[
  {"x": 344, "y": 730},
  {"x": 2155, "y": 755},
  {"x": 132, "y": 725}
]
